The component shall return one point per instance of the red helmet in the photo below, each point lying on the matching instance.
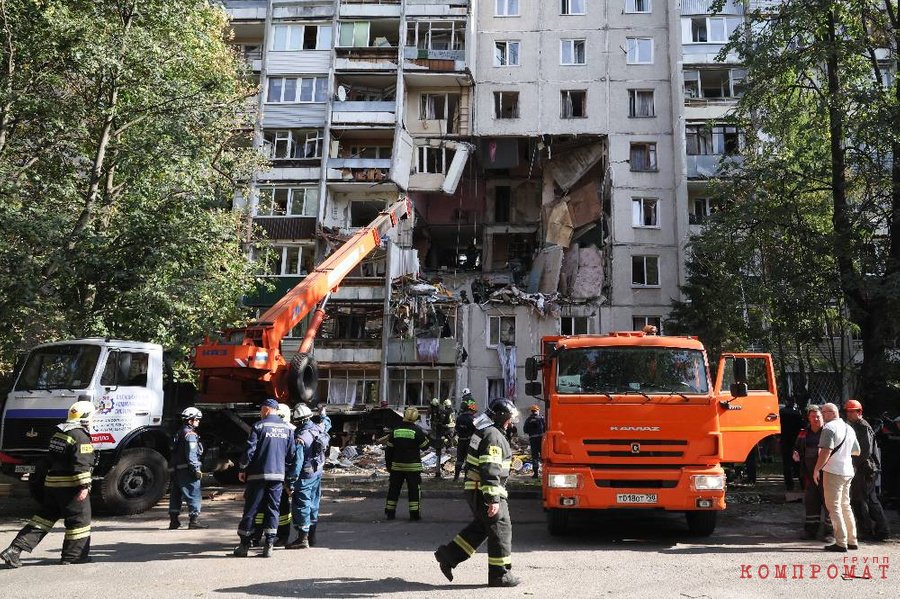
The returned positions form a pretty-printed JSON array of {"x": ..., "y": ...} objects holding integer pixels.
[{"x": 852, "y": 404}]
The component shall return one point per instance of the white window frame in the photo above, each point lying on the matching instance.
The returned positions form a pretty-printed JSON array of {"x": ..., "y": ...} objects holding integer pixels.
[
  {"x": 381, "y": 152},
  {"x": 366, "y": 25},
  {"x": 505, "y": 8},
  {"x": 645, "y": 259},
  {"x": 566, "y": 7},
  {"x": 297, "y": 139},
  {"x": 297, "y": 31},
  {"x": 426, "y": 106},
  {"x": 631, "y": 6},
  {"x": 319, "y": 90},
  {"x": 641, "y": 207},
  {"x": 420, "y": 34},
  {"x": 586, "y": 320},
  {"x": 498, "y": 114},
  {"x": 565, "y": 101},
  {"x": 307, "y": 194},
  {"x": 285, "y": 249},
  {"x": 422, "y": 159},
  {"x": 652, "y": 157},
  {"x": 633, "y": 103},
  {"x": 633, "y": 50},
  {"x": 494, "y": 323},
  {"x": 502, "y": 55},
  {"x": 569, "y": 45},
  {"x": 655, "y": 321}
]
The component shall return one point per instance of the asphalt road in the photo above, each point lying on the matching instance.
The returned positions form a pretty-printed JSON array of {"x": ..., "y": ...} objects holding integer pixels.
[{"x": 360, "y": 555}]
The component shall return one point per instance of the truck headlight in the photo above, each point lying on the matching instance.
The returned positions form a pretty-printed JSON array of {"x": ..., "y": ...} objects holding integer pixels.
[
  {"x": 563, "y": 481},
  {"x": 708, "y": 482}
]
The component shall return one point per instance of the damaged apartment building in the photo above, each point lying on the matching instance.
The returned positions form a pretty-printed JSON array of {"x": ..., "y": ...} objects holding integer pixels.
[{"x": 541, "y": 144}]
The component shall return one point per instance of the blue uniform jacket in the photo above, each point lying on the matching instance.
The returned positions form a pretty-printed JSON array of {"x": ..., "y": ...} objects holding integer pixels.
[
  {"x": 186, "y": 451},
  {"x": 304, "y": 437},
  {"x": 270, "y": 450}
]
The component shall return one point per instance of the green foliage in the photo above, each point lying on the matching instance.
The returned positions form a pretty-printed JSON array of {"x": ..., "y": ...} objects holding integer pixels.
[{"x": 120, "y": 153}]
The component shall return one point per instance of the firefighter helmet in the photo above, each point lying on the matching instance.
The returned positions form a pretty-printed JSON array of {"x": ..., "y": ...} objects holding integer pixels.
[
  {"x": 448, "y": 403},
  {"x": 284, "y": 412},
  {"x": 502, "y": 410},
  {"x": 466, "y": 391},
  {"x": 81, "y": 411},
  {"x": 410, "y": 415},
  {"x": 191, "y": 414},
  {"x": 435, "y": 401},
  {"x": 471, "y": 405},
  {"x": 852, "y": 404},
  {"x": 535, "y": 408},
  {"x": 302, "y": 412}
]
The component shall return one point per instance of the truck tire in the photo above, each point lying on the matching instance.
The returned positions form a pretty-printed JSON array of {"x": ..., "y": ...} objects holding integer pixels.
[
  {"x": 302, "y": 378},
  {"x": 701, "y": 524},
  {"x": 557, "y": 521},
  {"x": 135, "y": 483}
]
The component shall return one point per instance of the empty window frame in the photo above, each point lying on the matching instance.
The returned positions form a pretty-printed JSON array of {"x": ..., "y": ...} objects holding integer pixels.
[
  {"x": 292, "y": 144},
  {"x": 288, "y": 201},
  {"x": 641, "y": 103},
  {"x": 288, "y": 260},
  {"x": 297, "y": 89},
  {"x": 638, "y": 6},
  {"x": 301, "y": 37},
  {"x": 506, "y": 53},
  {"x": 506, "y": 105},
  {"x": 645, "y": 212},
  {"x": 642, "y": 156},
  {"x": 501, "y": 329},
  {"x": 639, "y": 50},
  {"x": 572, "y": 52},
  {"x": 439, "y": 107},
  {"x": 639, "y": 322},
  {"x": 714, "y": 83},
  {"x": 433, "y": 160},
  {"x": 573, "y": 104},
  {"x": 416, "y": 387},
  {"x": 506, "y": 8},
  {"x": 574, "y": 325},
  {"x": 703, "y": 140},
  {"x": 502, "y": 201},
  {"x": 571, "y": 7},
  {"x": 436, "y": 35},
  {"x": 371, "y": 152},
  {"x": 645, "y": 271},
  {"x": 713, "y": 30},
  {"x": 701, "y": 209}
]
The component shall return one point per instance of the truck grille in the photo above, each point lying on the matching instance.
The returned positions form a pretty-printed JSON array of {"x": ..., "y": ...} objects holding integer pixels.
[
  {"x": 635, "y": 484},
  {"x": 28, "y": 433},
  {"x": 635, "y": 448}
]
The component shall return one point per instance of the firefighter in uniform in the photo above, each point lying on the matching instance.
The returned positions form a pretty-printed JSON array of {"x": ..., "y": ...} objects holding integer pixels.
[
  {"x": 269, "y": 455},
  {"x": 535, "y": 426},
  {"x": 465, "y": 428},
  {"x": 311, "y": 441},
  {"x": 284, "y": 506},
  {"x": 487, "y": 468},
  {"x": 185, "y": 471},
  {"x": 66, "y": 488},
  {"x": 403, "y": 459}
]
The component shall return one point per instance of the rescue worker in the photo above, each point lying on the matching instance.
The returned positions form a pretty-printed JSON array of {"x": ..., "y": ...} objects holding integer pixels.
[
  {"x": 403, "y": 458},
  {"x": 464, "y": 429},
  {"x": 791, "y": 423},
  {"x": 70, "y": 460},
  {"x": 270, "y": 454},
  {"x": 806, "y": 453},
  {"x": 535, "y": 427},
  {"x": 311, "y": 441},
  {"x": 185, "y": 471},
  {"x": 867, "y": 509},
  {"x": 435, "y": 420},
  {"x": 284, "y": 506},
  {"x": 487, "y": 469}
]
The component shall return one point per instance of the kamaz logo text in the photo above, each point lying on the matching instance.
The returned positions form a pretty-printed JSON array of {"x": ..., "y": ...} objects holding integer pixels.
[{"x": 635, "y": 429}]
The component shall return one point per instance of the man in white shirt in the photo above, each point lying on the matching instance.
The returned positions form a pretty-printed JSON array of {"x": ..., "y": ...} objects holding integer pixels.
[{"x": 837, "y": 445}]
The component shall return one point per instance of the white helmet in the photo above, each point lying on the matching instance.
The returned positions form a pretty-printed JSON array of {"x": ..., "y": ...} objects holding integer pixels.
[
  {"x": 302, "y": 412},
  {"x": 284, "y": 412},
  {"x": 448, "y": 403},
  {"x": 467, "y": 391},
  {"x": 81, "y": 411},
  {"x": 191, "y": 413}
]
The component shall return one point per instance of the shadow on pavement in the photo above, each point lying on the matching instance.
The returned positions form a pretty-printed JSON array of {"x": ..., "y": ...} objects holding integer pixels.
[
  {"x": 137, "y": 552},
  {"x": 341, "y": 587}
]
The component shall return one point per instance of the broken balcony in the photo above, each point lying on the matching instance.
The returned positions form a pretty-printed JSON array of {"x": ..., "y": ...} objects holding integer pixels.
[
  {"x": 434, "y": 44},
  {"x": 364, "y": 101},
  {"x": 361, "y": 156}
]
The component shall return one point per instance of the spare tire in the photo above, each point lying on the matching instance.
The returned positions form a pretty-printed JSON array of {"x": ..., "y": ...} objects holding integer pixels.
[
  {"x": 135, "y": 483},
  {"x": 302, "y": 378}
]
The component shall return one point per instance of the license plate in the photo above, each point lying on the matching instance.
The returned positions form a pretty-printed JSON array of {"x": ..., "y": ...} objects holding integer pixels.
[
  {"x": 24, "y": 469},
  {"x": 636, "y": 498}
]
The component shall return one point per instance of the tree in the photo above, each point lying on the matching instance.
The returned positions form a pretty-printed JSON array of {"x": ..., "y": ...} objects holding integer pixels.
[{"x": 122, "y": 143}]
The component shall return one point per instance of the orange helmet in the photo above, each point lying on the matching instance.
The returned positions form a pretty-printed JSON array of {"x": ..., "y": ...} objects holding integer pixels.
[
  {"x": 535, "y": 408},
  {"x": 852, "y": 404}
]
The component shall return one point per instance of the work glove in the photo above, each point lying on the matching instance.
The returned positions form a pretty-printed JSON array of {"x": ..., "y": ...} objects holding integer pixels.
[{"x": 198, "y": 474}]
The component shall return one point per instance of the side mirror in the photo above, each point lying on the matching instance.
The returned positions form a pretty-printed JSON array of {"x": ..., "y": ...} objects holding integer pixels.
[
  {"x": 531, "y": 369},
  {"x": 533, "y": 389},
  {"x": 740, "y": 371},
  {"x": 738, "y": 390}
]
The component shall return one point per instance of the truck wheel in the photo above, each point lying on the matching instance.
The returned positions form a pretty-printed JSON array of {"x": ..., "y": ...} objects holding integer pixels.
[
  {"x": 557, "y": 521},
  {"x": 701, "y": 524},
  {"x": 135, "y": 483},
  {"x": 303, "y": 378},
  {"x": 36, "y": 482}
]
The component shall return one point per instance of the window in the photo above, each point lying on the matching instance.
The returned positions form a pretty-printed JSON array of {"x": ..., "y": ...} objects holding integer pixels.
[
  {"x": 639, "y": 322},
  {"x": 705, "y": 140},
  {"x": 644, "y": 212},
  {"x": 292, "y": 144},
  {"x": 288, "y": 201},
  {"x": 709, "y": 29},
  {"x": 637, "y": 6},
  {"x": 301, "y": 37},
  {"x": 287, "y": 260},
  {"x": 714, "y": 83},
  {"x": 433, "y": 160},
  {"x": 285, "y": 89},
  {"x": 571, "y": 7},
  {"x": 506, "y": 8},
  {"x": 574, "y": 325},
  {"x": 571, "y": 52},
  {"x": 125, "y": 369},
  {"x": 496, "y": 389},
  {"x": 506, "y": 105},
  {"x": 701, "y": 209},
  {"x": 573, "y": 104},
  {"x": 502, "y": 198},
  {"x": 438, "y": 106},
  {"x": 641, "y": 103},
  {"x": 640, "y": 50},
  {"x": 371, "y": 152},
  {"x": 436, "y": 35},
  {"x": 501, "y": 329},
  {"x": 643, "y": 157},
  {"x": 506, "y": 54},
  {"x": 645, "y": 271},
  {"x": 354, "y": 34}
]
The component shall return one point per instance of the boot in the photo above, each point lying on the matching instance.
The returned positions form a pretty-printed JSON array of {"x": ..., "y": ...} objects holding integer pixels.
[
  {"x": 415, "y": 516},
  {"x": 311, "y": 537},
  {"x": 446, "y": 569},
  {"x": 10, "y": 555},
  {"x": 242, "y": 549},
  {"x": 390, "y": 514},
  {"x": 268, "y": 548},
  {"x": 301, "y": 542},
  {"x": 507, "y": 580},
  {"x": 195, "y": 522},
  {"x": 174, "y": 521}
]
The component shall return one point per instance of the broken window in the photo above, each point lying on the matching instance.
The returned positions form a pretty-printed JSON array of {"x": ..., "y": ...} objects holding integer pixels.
[
  {"x": 641, "y": 103},
  {"x": 506, "y": 53},
  {"x": 639, "y": 50},
  {"x": 501, "y": 329},
  {"x": 701, "y": 209},
  {"x": 433, "y": 160},
  {"x": 370, "y": 152},
  {"x": 506, "y": 105},
  {"x": 417, "y": 386},
  {"x": 301, "y": 37},
  {"x": 643, "y": 157},
  {"x": 502, "y": 195},
  {"x": 441, "y": 107},
  {"x": 639, "y": 322},
  {"x": 362, "y": 212},
  {"x": 353, "y": 323},
  {"x": 287, "y": 260},
  {"x": 574, "y": 325},
  {"x": 714, "y": 83},
  {"x": 573, "y": 104},
  {"x": 572, "y": 52},
  {"x": 292, "y": 144},
  {"x": 644, "y": 212},
  {"x": 436, "y": 35},
  {"x": 645, "y": 271},
  {"x": 496, "y": 389},
  {"x": 288, "y": 201}
]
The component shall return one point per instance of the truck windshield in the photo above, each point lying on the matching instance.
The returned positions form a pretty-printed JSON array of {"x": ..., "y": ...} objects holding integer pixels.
[
  {"x": 639, "y": 370},
  {"x": 59, "y": 367}
]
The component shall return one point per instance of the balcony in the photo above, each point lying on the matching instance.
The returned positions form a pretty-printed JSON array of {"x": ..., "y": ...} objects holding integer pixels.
[
  {"x": 370, "y": 8},
  {"x": 419, "y": 351},
  {"x": 707, "y": 166},
  {"x": 364, "y": 113}
]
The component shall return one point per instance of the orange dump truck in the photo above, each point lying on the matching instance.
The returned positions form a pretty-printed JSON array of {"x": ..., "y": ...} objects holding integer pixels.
[{"x": 635, "y": 422}]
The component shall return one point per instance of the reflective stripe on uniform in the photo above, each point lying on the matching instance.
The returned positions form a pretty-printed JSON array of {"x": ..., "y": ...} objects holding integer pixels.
[
  {"x": 493, "y": 490},
  {"x": 390, "y": 504},
  {"x": 464, "y": 545},
  {"x": 470, "y": 485},
  {"x": 472, "y": 460},
  {"x": 490, "y": 459},
  {"x": 78, "y": 533},
  {"x": 68, "y": 480},
  {"x": 284, "y": 520},
  {"x": 408, "y": 467},
  {"x": 414, "y": 506},
  {"x": 404, "y": 433},
  {"x": 499, "y": 561},
  {"x": 259, "y": 518},
  {"x": 64, "y": 437},
  {"x": 43, "y": 524},
  {"x": 268, "y": 476}
]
